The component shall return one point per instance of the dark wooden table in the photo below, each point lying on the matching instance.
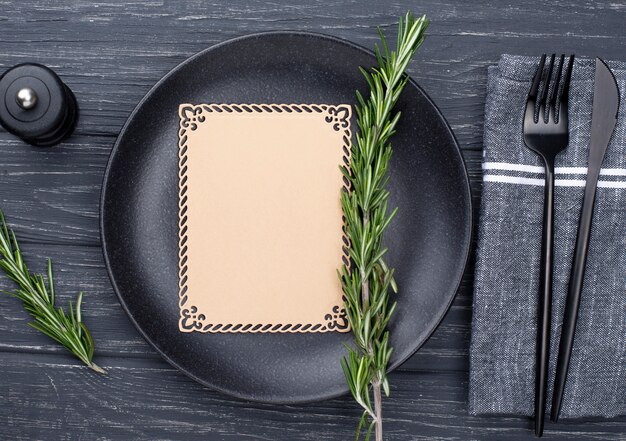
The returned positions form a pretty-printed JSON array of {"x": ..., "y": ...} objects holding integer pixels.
[{"x": 111, "y": 53}]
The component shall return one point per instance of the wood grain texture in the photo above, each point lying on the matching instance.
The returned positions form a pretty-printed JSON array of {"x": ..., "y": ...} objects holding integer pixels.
[
  {"x": 144, "y": 399},
  {"x": 110, "y": 54}
]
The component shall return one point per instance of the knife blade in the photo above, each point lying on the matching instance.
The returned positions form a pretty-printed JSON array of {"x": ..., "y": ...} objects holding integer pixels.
[
  {"x": 604, "y": 114},
  {"x": 606, "y": 102}
]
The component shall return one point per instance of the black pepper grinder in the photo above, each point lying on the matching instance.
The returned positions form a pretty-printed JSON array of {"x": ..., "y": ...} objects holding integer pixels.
[{"x": 36, "y": 105}]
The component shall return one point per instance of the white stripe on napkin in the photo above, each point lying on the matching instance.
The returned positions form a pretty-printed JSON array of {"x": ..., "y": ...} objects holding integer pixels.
[{"x": 558, "y": 182}]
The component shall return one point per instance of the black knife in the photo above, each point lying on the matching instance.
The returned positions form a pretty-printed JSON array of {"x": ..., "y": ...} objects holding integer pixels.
[{"x": 603, "y": 120}]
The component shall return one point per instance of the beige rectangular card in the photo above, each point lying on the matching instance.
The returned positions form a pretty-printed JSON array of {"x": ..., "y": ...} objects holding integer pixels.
[{"x": 260, "y": 222}]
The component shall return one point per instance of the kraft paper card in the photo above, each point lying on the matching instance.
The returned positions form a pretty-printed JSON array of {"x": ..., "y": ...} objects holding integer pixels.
[{"x": 260, "y": 220}]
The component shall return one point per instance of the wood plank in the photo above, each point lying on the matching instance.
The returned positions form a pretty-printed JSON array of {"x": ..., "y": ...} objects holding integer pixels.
[
  {"x": 81, "y": 268},
  {"x": 53, "y": 195},
  {"x": 42, "y": 396}
]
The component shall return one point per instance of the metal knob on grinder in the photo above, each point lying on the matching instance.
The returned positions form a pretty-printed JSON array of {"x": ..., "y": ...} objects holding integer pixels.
[{"x": 36, "y": 105}]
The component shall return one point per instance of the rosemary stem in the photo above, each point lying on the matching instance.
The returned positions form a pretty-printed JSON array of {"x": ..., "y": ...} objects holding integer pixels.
[
  {"x": 378, "y": 410},
  {"x": 96, "y": 368}
]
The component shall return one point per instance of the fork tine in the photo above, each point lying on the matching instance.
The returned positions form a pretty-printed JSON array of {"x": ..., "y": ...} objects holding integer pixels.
[
  {"x": 537, "y": 78},
  {"x": 568, "y": 75},
  {"x": 555, "y": 89},
  {"x": 546, "y": 83}
]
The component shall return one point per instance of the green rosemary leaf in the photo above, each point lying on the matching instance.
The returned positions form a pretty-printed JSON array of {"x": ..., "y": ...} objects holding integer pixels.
[
  {"x": 89, "y": 343},
  {"x": 50, "y": 281},
  {"x": 38, "y": 299},
  {"x": 362, "y": 422},
  {"x": 368, "y": 434}
]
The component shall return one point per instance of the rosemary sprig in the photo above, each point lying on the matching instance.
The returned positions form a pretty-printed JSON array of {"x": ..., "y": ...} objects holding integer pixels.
[
  {"x": 38, "y": 299},
  {"x": 366, "y": 283}
]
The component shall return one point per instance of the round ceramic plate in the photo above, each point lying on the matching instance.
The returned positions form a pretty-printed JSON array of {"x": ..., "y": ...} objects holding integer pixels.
[{"x": 428, "y": 241}]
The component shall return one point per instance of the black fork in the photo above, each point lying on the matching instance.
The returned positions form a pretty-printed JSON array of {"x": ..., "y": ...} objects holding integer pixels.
[{"x": 546, "y": 132}]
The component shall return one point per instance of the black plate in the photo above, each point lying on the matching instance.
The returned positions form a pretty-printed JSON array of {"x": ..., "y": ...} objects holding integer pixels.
[{"x": 429, "y": 240}]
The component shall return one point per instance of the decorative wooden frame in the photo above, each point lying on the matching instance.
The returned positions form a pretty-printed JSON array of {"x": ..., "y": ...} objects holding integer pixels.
[{"x": 191, "y": 117}]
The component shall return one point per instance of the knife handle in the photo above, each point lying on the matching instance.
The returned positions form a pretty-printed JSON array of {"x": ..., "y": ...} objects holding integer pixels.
[
  {"x": 544, "y": 299},
  {"x": 572, "y": 301}
]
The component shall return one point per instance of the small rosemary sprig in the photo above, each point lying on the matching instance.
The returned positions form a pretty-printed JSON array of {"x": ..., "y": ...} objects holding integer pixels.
[
  {"x": 38, "y": 300},
  {"x": 367, "y": 281}
]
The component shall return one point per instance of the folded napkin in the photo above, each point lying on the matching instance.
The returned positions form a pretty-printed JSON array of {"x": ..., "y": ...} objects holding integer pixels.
[{"x": 502, "y": 359}]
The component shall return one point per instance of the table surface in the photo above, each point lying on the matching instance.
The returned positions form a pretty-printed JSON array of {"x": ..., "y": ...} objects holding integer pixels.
[{"x": 110, "y": 54}]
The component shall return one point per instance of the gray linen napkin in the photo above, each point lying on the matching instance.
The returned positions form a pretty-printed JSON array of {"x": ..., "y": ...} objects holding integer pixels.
[{"x": 502, "y": 358}]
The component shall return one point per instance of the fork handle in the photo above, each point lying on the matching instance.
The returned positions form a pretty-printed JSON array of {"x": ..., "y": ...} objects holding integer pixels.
[
  {"x": 545, "y": 299},
  {"x": 575, "y": 287}
]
